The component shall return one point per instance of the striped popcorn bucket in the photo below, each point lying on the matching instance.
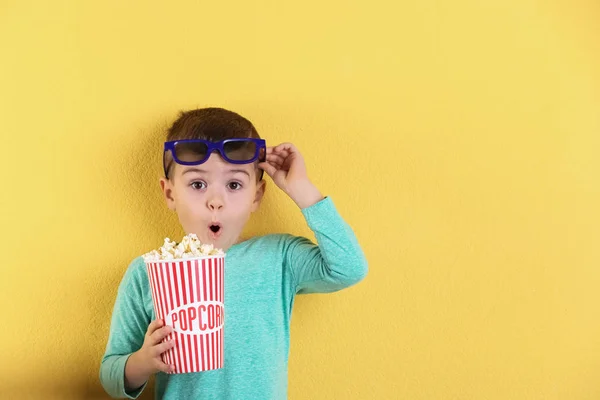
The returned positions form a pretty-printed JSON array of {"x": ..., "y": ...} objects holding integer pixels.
[{"x": 188, "y": 296}]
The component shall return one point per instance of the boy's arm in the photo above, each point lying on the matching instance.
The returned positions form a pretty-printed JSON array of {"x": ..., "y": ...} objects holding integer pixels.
[
  {"x": 127, "y": 330},
  {"x": 336, "y": 263}
]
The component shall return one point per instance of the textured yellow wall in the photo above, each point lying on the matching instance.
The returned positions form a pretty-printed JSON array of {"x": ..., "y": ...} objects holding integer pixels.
[{"x": 460, "y": 139}]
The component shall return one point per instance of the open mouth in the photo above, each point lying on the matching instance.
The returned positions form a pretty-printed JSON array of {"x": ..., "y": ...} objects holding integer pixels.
[{"x": 215, "y": 228}]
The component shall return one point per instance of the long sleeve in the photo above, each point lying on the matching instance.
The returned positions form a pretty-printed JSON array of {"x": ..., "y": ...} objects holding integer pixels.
[
  {"x": 129, "y": 323},
  {"x": 336, "y": 263}
]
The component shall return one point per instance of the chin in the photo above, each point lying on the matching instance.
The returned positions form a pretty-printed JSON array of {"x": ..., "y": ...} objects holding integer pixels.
[{"x": 218, "y": 242}]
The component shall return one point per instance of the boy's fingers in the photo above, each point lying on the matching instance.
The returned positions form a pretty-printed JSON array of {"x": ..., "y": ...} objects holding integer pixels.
[
  {"x": 286, "y": 147},
  {"x": 284, "y": 153},
  {"x": 275, "y": 158},
  {"x": 154, "y": 325},
  {"x": 282, "y": 147},
  {"x": 160, "y": 334},
  {"x": 268, "y": 168},
  {"x": 161, "y": 366},
  {"x": 162, "y": 347}
]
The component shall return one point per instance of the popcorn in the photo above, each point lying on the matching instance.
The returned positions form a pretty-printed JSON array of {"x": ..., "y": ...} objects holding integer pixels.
[{"x": 189, "y": 247}]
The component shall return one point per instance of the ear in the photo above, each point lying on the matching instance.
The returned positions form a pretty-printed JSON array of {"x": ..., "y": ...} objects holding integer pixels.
[
  {"x": 167, "y": 189},
  {"x": 260, "y": 192}
]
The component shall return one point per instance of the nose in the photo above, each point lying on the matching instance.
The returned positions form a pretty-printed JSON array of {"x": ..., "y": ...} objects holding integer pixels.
[{"x": 215, "y": 203}]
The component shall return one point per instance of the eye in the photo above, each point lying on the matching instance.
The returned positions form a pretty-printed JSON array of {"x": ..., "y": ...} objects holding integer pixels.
[
  {"x": 234, "y": 185},
  {"x": 198, "y": 185}
]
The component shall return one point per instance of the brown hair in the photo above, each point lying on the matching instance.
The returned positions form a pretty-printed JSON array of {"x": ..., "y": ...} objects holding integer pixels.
[{"x": 212, "y": 124}]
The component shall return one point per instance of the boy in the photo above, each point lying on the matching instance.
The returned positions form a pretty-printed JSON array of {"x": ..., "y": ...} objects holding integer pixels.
[{"x": 214, "y": 184}]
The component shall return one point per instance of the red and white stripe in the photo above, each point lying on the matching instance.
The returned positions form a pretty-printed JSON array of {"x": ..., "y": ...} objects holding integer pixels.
[{"x": 177, "y": 283}]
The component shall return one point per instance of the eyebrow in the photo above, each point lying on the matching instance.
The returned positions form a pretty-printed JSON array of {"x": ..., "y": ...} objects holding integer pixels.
[{"x": 203, "y": 171}]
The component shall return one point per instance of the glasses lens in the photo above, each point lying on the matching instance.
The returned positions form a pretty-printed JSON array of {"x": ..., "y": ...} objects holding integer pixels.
[
  {"x": 240, "y": 150},
  {"x": 190, "y": 151}
]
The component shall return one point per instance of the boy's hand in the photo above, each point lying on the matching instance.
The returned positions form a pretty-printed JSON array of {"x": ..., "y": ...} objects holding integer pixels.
[
  {"x": 146, "y": 361},
  {"x": 285, "y": 165}
]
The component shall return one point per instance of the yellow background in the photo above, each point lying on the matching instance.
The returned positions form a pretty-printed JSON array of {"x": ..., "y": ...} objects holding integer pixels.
[{"x": 459, "y": 139}]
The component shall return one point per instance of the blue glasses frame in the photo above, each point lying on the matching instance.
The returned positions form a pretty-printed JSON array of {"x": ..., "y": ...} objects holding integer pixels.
[{"x": 259, "y": 154}]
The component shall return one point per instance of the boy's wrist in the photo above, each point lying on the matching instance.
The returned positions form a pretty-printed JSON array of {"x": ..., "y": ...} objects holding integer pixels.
[
  {"x": 305, "y": 194},
  {"x": 135, "y": 372}
]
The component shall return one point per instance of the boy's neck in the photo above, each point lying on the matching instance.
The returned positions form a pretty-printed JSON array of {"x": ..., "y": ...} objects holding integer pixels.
[{"x": 241, "y": 239}]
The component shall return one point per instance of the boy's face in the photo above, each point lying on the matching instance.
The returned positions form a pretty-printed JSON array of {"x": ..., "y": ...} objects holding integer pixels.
[{"x": 214, "y": 199}]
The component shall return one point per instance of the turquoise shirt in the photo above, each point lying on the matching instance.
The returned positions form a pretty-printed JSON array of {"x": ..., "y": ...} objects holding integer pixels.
[{"x": 262, "y": 277}]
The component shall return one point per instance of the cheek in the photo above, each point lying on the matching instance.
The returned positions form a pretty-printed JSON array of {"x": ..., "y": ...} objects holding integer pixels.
[
  {"x": 188, "y": 205},
  {"x": 241, "y": 206}
]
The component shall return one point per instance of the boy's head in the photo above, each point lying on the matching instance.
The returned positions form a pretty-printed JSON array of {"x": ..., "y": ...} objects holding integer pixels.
[{"x": 213, "y": 199}]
